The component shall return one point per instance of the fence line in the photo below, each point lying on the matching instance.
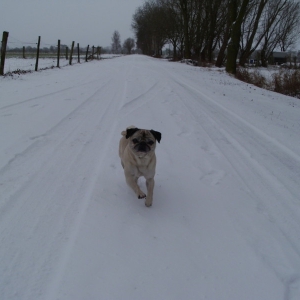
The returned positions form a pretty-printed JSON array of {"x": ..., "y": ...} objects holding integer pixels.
[{"x": 52, "y": 53}]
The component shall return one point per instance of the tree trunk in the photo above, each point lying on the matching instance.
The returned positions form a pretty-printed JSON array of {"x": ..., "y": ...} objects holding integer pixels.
[
  {"x": 234, "y": 44},
  {"x": 174, "y": 43},
  {"x": 263, "y": 58},
  {"x": 221, "y": 55},
  {"x": 185, "y": 14}
]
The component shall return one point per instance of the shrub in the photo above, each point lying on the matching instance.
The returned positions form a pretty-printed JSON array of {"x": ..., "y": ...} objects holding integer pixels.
[
  {"x": 253, "y": 77},
  {"x": 287, "y": 82}
]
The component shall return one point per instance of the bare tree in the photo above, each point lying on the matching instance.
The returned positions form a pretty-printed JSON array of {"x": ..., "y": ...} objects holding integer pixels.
[
  {"x": 174, "y": 31},
  {"x": 212, "y": 27},
  {"x": 288, "y": 29},
  {"x": 276, "y": 26},
  {"x": 128, "y": 45},
  {"x": 249, "y": 29},
  {"x": 141, "y": 26},
  {"x": 116, "y": 43},
  {"x": 224, "y": 36},
  {"x": 150, "y": 27},
  {"x": 187, "y": 12},
  {"x": 174, "y": 25},
  {"x": 184, "y": 6},
  {"x": 234, "y": 27}
]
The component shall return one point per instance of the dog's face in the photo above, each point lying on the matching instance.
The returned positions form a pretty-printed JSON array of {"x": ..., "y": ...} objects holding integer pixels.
[{"x": 142, "y": 141}]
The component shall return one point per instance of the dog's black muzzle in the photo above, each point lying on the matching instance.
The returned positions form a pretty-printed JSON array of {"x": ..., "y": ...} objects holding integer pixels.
[{"x": 142, "y": 147}]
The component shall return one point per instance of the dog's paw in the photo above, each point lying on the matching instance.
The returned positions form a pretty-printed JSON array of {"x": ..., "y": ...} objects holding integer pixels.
[
  {"x": 141, "y": 195},
  {"x": 148, "y": 202}
]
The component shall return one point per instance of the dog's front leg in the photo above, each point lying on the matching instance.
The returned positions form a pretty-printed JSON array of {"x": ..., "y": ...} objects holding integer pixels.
[
  {"x": 132, "y": 182},
  {"x": 150, "y": 188}
]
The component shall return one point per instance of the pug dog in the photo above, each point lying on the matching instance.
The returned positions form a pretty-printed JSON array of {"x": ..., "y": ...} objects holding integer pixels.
[{"x": 137, "y": 153}]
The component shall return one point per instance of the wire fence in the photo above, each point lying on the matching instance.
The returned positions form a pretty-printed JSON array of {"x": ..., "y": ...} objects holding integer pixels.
[{"x": 20, "y": 57}]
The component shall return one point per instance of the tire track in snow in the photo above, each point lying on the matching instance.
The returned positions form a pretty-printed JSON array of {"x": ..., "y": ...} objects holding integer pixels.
[
  {"x": 138, "y": 101},
  {"x": 79, "y": 86},
  {"x": 143, "y": 97},
  {"x": 41, "y": 142},
  {"x": 277, "y": 150},
  {"x": 32, "y": 141},
  {"x": 86, "y": 127},
  {"x": 267, "y": 144},
  {"x": 221, "y": 125},
  {"x": 109, "y": 126}
]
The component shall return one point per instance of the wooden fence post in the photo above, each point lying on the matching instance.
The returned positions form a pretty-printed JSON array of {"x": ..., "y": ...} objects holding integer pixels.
[
  {"x": 3, "y": 51},
  {"x": 37, "y": 54},
  {"x": 58, "y": 52},
  {"x": 87, "y": 52},
  {"x": 71, "y": 54},
  {"x": 93, "y": 52},
  {"x": 24, "y": 52},
  {"x": 67, "y": 53},
  {"x": 78, "y": 50}
]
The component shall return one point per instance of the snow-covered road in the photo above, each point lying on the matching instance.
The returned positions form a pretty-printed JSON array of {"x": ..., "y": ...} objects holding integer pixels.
[{"x": 225, "y": 220}]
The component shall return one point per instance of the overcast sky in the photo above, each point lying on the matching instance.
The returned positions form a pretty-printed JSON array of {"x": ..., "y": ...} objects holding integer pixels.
[{"x": 83, "y": 21}]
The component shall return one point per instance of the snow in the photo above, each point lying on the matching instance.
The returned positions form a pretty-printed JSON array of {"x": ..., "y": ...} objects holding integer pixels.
[
  {"x": 16, "y": 63},
  {"x": 28, "y": 64},
  {"x": 225, "y": 219}
]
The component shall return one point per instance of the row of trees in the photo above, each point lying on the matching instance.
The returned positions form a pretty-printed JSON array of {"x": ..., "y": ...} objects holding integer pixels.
[
  {"x": 229, "y": 29},
  {"x": 30, "y": 49},
  {"x": 116, "y": 47}
]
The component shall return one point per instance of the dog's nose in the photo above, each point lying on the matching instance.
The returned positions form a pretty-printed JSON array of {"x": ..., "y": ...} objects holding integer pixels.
[{"x": 143, "y": 147}]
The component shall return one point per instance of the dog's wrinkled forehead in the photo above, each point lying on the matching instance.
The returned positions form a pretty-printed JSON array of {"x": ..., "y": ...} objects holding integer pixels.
[{"x": 144, "y": 134}]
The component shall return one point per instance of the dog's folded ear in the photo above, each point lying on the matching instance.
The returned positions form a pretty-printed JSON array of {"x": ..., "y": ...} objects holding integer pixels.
[
  {"x": 156, "y": 134},
  {"x": 131, "y": 131}
]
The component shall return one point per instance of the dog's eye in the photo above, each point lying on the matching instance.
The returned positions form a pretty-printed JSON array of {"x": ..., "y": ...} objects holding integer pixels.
[
  {"x": 150, "y": 142},
  {"x": 135, "y": 141}
]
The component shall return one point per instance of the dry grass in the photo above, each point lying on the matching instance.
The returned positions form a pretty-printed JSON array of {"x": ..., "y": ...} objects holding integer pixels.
[
  {"x": 253, "y": 77},
  {"x": 285, "y": 82}
]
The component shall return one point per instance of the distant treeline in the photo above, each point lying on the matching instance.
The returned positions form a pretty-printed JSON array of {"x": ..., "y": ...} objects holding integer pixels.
[
  {"x": 51, "y": 49},
  {"x": 217, "y": 31}
]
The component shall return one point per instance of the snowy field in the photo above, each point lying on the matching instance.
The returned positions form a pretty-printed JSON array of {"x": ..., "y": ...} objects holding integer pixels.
[
  {"x": 225, "y": 220},
  {"x": 28, "y": 64}
]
